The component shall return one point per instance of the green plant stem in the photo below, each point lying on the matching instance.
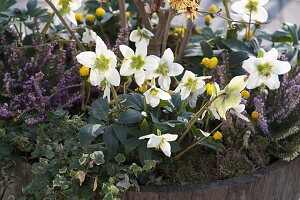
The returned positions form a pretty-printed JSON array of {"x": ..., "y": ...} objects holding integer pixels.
[
  {"x": 46, "y": 27},
  {"x": 65, "y": 25},
  {"x": 83, "y": 83},
  {"x": 194, "y": 144},
  {"x": 229, "y": 19},
  {"x": 88, "y": 93},
  {"x": 225, "y": 3},
  {"x": 115, "y": 96}
]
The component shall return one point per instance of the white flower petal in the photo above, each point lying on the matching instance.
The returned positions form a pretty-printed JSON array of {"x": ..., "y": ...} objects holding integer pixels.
[
  {"x": 151, "y": 62},
  {"x": 238, "y": 83},
  {"x": 126, "y": 51},
  {"x": 281, "y": 67},
  {"x": 239, "y": 6},
  {"x": 168, "y": 56},
  {"x": 100, "y": 46},
  {"x": 254, "y": 81},
  {"x": 87, "y": 58},
  {"x": 170, "y": 137},
  {"x": 272, "y": 82},
  {"x": 163, "y": 95},
  {"x": 206, "y": 134},
  {"x": 126, "y": 69},
  {"x": 185, "y": 92},
  {"x": 141, "y": 49},
  {"x": 140, "y": 77},
  {"x": 260, "y": 15},
  {"x": 71, "y": 16},
  {"x": 166, "y": 148},
  {"x": 146, "y": 136},
  {"x": 135, "y": 36},
  {"x": 153, "y": 101},
  {"x": 106, "y": 93},
  {"x": 113, "y": 77},
  {"x": 95, "y": 77},
  {"x": 147, "y": 32},
  {"x": 271, "y": 55},
  {"x": 75, "y": 4},
  {"x": 154, "y": 141},
  {"x": 175, "y": 69},
  {"x": 250, "y": 65},
  {"x": 164, "y": 82}
]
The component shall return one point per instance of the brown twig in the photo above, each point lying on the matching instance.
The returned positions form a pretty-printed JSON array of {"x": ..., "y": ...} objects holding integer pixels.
[
  {"x": 122, "y": 9},
  {"x": 167, "y": 28},
  {"x": 142, "y": 12}
]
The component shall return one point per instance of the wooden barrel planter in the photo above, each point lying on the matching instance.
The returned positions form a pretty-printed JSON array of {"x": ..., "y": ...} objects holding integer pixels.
[{"x": 279, "y": 181}]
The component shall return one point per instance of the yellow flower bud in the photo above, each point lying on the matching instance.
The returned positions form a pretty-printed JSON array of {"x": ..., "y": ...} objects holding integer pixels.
[
  {"x": 181, "y": 31},
  {"x": 205, "y": 61},
  {"x": 208, "y": 87},
  {"x": 79, "y": 18},
  {"x": 143, "y": 88},
  {"x": 90, "y": 19},
  {"x": 213, "y": 63},
  {"x": 100, "y": 12},
  {"x": 245, "y": 94},
  {"x": 207, "y": 20},
  {"x": 213, "y": 8},
  {"x": 84, "y": 71},
  {"x": 255, "y": 114},
  {"x": 128, "y": 14},
  {"x": 217, "y": 135}
]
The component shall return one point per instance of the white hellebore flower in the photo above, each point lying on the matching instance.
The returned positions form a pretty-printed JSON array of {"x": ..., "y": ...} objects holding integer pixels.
[
  {"x": 103, "y": 64},
  {"x": 140, "y": 35},
  {"x": 229, "y": 98},
  {"x": 89, "y": 36},
  {"x": 191, "y": 87},
  {"x": 136, "y": 63},
  {"x": 265, "y": 69},
  {"x": 237, "y": 110},
  {"x": 252, "y": 7},
  {"x": 154, "y": 95},
  {"x": 165, "y": 69},
  {"x": 66, "y": 8},
  {"x": 160, "y": 141}
]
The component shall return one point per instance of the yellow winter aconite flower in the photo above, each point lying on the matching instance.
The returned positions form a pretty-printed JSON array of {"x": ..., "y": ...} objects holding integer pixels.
[
  {"x": 210, "y": 63},
  {"x": 217, "y": 135},
  {"x": 90, "y": 19},
  {"x": 100, "y": 12},
  {"x": 213, "y": 8},
  {"x": 205, "y": 61},
  {"x": 209, "y": 88},
  {"x": 213, "y": 63},
  {"x": 84, "y": 71},
  {"x": 245, "y": 94},
  {"x": 79, "y": 18},
  {"x": 255, "y": 114},
  {"x": 207, "y": 20}
]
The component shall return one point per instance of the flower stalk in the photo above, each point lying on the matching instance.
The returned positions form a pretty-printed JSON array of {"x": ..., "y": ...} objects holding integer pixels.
[{"x": 65, "y": 25}]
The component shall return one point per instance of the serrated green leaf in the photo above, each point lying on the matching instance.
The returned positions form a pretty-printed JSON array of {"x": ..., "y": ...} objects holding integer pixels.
[
  {"x": 237, "y": 45},
  {"x": 144, "y": 152},
  {"x": 110, "y": 139}
]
